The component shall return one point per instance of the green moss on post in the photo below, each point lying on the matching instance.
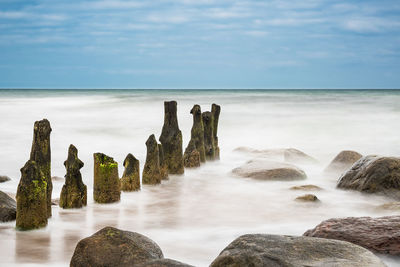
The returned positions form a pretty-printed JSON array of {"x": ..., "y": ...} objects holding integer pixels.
[
  {"x": 41, "y": 154},
  {"x": 31, "y": 198},
  {"x": 74, "y": 191},
  {"x": 151, "y": 171},
  {"x": 106, "y": 187},
  {"x": 171, "y": 139},
  {"x": 209, "y": 142},
  {"x": 130, "y": 180}
]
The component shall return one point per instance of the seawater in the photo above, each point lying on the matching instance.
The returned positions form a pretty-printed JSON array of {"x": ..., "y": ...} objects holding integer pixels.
[{"x": 194, "y": 216}]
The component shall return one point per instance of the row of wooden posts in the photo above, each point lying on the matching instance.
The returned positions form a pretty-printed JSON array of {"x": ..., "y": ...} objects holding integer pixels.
[{"x": 35, "y": 187}]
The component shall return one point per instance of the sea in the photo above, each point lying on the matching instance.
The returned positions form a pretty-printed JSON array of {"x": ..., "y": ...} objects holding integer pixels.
[{"x": 194, "y": 216}]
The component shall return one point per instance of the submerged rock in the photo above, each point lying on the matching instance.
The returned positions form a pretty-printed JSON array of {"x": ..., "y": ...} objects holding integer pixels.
[
  {"x": 215, "y": 111},
  {"x": 57, "y": 179},
  {"x": 373, "y": 174},
  {"x": 41, "y": 154},
  {"x": 74, "y": 191},
  {"x": 4, "y": 179},
  {"x": 197, "y": 135},
  {"x": 307, "y": 198},
  {"x": 8, "y": 208},
  {"x": 308, "y": 187},
  {"x": 259, "y": 250},
  {"x": 171, "y": 139},
  {"x": 270, "y": 170},
  {"x": 106, "y": 187},
  {"x": 130, "y": 180},
  {"x": 343, "y": 161},
  {"x": 163, "y": 165},
  {"x": 395, "y": 206},
  {"x": 293, "y": 155},
  {"x": 113, "y": 247},
  {"x": 209, "y": 143},
  {"x": 290, "y": 155},
  {"x": 191, "y": 157},
  {"x": 380, "y": 235},
  {"x": 31, "y": 198},
  {"x": 151, "y": 171}
]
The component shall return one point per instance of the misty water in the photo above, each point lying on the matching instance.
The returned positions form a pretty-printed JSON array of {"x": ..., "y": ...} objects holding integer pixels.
[{"x": 194, "y": 216}]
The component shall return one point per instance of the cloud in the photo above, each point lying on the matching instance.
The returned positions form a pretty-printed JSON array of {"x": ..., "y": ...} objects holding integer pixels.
[{"x": 370, "y": 25}]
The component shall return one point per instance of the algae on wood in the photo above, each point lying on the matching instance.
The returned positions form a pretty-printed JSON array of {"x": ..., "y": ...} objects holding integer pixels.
[{"x": 106, "y": 187}]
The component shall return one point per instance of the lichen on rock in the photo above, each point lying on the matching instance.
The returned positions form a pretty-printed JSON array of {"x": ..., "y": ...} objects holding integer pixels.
[
  {"x": 106, "y": 187},
  {"x": 130, "y": 180}
]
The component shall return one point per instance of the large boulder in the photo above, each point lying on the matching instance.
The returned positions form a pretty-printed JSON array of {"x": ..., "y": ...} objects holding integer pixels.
[
  {"x": 106, "y": 186},
  {"x": 114, "y": 247},
  {"x": 376, "y": 234},
  {"x": 343, "y": 161},
  {"x": 41, "y": 154},
  {"x": 270, "y": 170},
  {"x": 31, "y": 198},
  {"x": 373, "y": 174},
  {"x": 74, "y": 191},
  {"x": 8, "y": 208},
  {"x": 151, "y": 170},
  {"x": 259, "y": 250},
  {"x": 130, "y": 180},
  {"x": 171, "y": 139},
  {"x": 163, "y": 263},
  {"x": 4, "y": 178}
]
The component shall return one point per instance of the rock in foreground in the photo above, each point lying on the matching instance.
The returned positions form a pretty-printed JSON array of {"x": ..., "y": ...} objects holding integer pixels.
[
  {"x": 8, "y": 208},
  {"x": 343, "y": 161},
  {"x": 260, "y": 250},
  {"x": 373, "y": 174},
  {"x": 114, "y": 247},
  {"x": 270, "y": 170},
  {"x": 376, "y": 234}
]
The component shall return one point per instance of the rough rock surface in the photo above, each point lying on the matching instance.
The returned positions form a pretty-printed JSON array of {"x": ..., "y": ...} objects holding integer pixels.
[
  {"x": 308, "y": 187},
  {"x": 4, "y": 178},
  {"x": 197, "y": 134},
  {"x": 163, "y": 263},
  {"x": 373, "y": 174},
  {"x": 270, "y": 170},
  {"x": 41, "y": 154},
  {"x": 151, "y": 170},
  {"x": 343, "y": 161},
  {"x": 260, "y": 250},
  {"x": 209, "y": 143},
  {"x": 191, "y": 157},
  {"x": 74, "y": 191},
  {"x": 307, "y": 198},
  {"x": 130, "y": 180},
  {"x": 171, "y": 139},
  {"x": 114, "y": 247},
  {"x": 215, "y": 111},
  {"x": 106, "y": 186},
  {"x": 31, "y": 198},
  {"x": 8, "y": 208},
  {"x": 163, "y": 164},
  {"x": 293, "y": 155},
  {"x": 376, "y": 234}
]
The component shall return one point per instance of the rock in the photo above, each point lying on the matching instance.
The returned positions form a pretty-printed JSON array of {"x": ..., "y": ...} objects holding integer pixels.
[
  {"x": 395, "y": 206},
  {"x": 130, "y": 180},
  {"x": 380, "y": 235},
  {"x": 31, "y": 198},
  {"x": 373, "y": 174},
  {"x": 114, "y": 247},
  {"x": 307, "y": 198},
  {"x": 215, "y": 111},
  {"x": 74, "y": 191},
  {"x": 163, "y": 165},
  {"x": 106, "y": 187},
  {"x": 293, "y": 155},
  {"x": 209, "y": 142},
  {"x": 197, "y": 134},
  {"x": 4, "y": 179},
  {"x": 41, "y": 154},
  {"x": 55, "y": 202},
  {"x": 308, "y": 187},
  {"x": 270, "y": 170},
  {"x": 343, "y": 161},
  {"x": 259, "y": 250},
  {"x": 171, "y": 139},
  {"x": 163, "y": 263},
  {"x": 57, "y": 179},
  {"x": 8, "y": 208},
  {"x": 191, "y": 157},
  {"x": 151, "y": 171}
]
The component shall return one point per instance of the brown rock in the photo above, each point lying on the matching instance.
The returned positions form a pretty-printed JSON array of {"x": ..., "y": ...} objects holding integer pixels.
[
  {"x": 343, "y": 161},
  {"x": 308, "y": 187},
  {"x": 307, "y": 198},
  {"x": 293, "y": 155}
]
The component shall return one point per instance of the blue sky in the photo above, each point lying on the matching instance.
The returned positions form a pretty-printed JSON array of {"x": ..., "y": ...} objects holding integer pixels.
[{"x": 200, "y": 44}]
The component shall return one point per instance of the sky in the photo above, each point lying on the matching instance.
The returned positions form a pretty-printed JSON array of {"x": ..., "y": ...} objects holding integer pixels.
[{"x": 200, "y": 44}]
